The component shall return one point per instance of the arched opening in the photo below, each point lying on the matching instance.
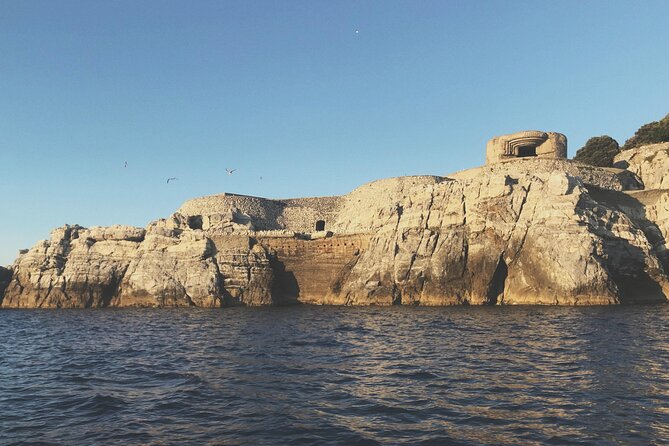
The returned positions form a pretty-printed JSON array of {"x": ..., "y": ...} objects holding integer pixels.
[
  {"x": 524, "y": 151},
  {"x": 320, "y": 225},
  {"x": 195, "y": 222}
]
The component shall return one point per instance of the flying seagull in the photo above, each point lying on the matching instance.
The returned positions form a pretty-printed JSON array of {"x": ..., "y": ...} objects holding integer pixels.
[
  {"x": 172, "y": 179},
  {"x": 125, "y": 164},
  {"x": 229, "y": 171}
]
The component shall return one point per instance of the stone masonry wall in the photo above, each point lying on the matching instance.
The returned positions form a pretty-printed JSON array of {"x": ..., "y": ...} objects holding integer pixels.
[
  {"x": 301, "y": 214},
  {"x": 310, "y": 269},
  {"x": 294, "y": 214}
]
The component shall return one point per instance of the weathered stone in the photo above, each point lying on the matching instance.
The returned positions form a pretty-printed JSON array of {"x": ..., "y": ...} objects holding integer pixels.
[
  {"x": 226, "y": 213},
  {"x": 648, "y": 209},
  {"x": 520, "y": 237},
  {"x": 531, "y": 231},
  {"x": 169, "y": 267},
  {"x": 171, "y": 271},
  {"x": 529, "y": 143},
  {"x": 650, "y": 163},
  {"x": 604, "y": 177},
  {"x": 76, "y": 267},
  {"x": 5, "y": 277},
  {"x": 246, "y": 272}
]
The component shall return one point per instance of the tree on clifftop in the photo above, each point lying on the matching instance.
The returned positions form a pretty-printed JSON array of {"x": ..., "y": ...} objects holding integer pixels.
[
  {"x": 598, "y": 151},
  {"x": 652, "y": 133}
]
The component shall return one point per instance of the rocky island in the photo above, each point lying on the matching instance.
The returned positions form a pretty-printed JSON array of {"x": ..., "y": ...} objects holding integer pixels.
[{"x": 529, "y": 227}]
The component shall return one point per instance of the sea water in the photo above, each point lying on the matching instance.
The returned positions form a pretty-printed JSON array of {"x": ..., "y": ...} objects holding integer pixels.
[{"x": 336, "y": 375}]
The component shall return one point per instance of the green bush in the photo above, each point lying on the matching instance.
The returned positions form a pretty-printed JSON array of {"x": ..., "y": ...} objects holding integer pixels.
[
  {"x": 598, "y": 151},
  {"x": 649, "y": 134}
]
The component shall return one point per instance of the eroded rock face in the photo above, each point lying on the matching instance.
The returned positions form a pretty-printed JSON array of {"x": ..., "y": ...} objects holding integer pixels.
[
  {"x": 76, "y": 267},
  {"x": 5, "y": 277},
  {"x": 171, "y": 271},
  {"x": 518, "y": 238},
  {"x": 603, "y": 177},
  {"x": 648, "y": 209},
  {"x": 520, "y": 232},
  {"x": 650, "y": 163},
  {"x": 166, "y": 265}
]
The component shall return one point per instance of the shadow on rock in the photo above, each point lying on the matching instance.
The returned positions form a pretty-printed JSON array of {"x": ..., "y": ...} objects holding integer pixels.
[{"x": 637, "y": 281}]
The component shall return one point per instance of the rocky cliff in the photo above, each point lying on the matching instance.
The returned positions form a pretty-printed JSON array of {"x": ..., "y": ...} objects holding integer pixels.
[
  {"x": 5, "y": 277},
  {"x": 529, "y": 231},
  {"x": 650, "y": 163}
]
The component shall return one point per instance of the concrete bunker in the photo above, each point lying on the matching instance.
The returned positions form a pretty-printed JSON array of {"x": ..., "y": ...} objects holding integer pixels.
[
  {"x": 526, "y": 144},
  {"x": 320, "y": 225}
]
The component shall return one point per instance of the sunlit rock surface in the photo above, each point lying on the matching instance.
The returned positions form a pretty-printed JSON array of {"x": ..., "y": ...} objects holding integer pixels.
[
  {"x": 650, "y": 163},
  {"x": 526, "y": 231}
]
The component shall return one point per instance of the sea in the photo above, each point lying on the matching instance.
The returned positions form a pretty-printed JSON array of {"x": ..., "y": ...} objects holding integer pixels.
[{"x": 309, "y": 375}]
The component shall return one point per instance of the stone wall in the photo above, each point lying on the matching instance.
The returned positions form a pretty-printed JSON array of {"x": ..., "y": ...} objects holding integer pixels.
[
  {"x": 347, "y": 214},
  {"x": 293, "y": 214},
  {"x": 301, "y": 214},
  {"x": 308, "y": 271},
  {"x": 263, "y": 212}
]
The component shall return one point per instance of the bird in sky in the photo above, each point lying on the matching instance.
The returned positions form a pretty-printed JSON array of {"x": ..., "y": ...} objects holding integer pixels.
[
  {"x": 230, "y": 171},
  {"x": 125, "y": 164},
  {"x": 261, "y": 178},
  {"x": 171, "y": 179},
  {"x": 357, "y": 31}
]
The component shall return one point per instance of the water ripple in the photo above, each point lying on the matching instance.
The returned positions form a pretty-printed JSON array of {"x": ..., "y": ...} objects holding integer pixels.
[{"x": 335, "y": 376}]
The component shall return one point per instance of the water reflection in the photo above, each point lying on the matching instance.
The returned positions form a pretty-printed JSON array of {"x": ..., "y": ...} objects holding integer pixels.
[{"x": 324, "y": 375}]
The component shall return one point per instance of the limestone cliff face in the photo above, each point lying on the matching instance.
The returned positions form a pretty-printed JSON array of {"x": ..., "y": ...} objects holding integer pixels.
[
  {"x": 509, "y": 235},
  {"x": 76, "y": 267},
  {"x": 521, "y": 232},
  {"x": 163, "y": 265},
  {"x": 650, "y": 163},
  {"x": 5, "y": 277}
]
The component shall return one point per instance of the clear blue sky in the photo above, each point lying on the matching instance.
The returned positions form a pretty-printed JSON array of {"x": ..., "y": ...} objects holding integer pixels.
[{"x": 287, "y": 90}]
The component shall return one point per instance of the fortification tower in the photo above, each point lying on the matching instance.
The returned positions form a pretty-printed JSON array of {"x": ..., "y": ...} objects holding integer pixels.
[{"x": 526, "y": 144}]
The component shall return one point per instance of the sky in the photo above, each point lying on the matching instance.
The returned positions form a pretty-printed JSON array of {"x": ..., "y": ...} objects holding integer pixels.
[{"x": 316, "y": 97}]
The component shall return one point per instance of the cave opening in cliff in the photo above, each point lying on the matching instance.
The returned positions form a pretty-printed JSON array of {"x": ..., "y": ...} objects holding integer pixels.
[
  {"x": 524, "y": 151},
  {"x": 496, "y": 286},
  {"x": 195, "y": 222},
  {"x": 320, "y": 225}
]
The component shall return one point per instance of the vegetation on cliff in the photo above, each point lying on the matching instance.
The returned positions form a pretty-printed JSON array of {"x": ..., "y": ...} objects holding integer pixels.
[
  {"x": 598, "y": 151},
  {"x": 651, "y": 133}
]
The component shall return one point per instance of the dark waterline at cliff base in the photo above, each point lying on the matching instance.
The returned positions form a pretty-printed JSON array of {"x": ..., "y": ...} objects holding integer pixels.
[{"x": 336, "y": 375}]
